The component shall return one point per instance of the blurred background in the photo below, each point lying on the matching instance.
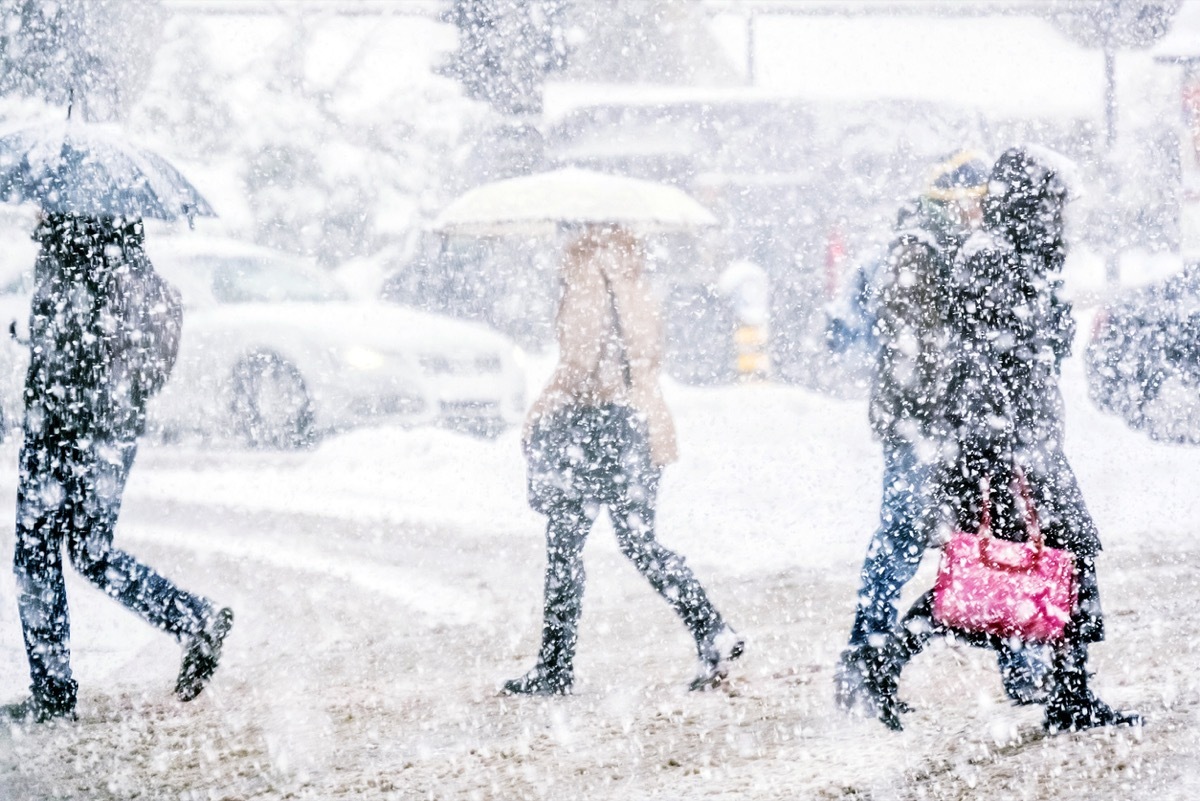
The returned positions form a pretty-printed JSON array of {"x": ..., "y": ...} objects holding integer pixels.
[{"x": 336, "y": 131}]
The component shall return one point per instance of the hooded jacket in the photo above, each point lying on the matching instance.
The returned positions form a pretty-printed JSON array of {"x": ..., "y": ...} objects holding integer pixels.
[
  {"x": 1010, "y": 323},
  {"x": 1010, "y": 330}
]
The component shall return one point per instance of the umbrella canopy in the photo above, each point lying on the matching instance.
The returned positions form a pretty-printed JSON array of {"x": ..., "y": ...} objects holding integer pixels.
[
  {"x": 535, "y": 204},
  {"x": 93, "y": 171}
]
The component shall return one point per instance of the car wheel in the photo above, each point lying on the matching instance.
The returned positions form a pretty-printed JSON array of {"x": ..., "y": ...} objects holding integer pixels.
[
  {"x": 271, "y": 407},
  {"x": 1171, "y": 408}
]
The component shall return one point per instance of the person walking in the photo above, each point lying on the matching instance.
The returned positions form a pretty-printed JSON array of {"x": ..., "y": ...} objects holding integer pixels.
[
  {"x": 599, "y": 435},
  {"x": 104, "y": 332},
  {"x": 905, "y": 298},
  {"x": 1011, "y": 328}
]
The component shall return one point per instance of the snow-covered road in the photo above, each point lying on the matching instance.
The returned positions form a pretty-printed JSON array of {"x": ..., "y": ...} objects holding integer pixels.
[{"x": 386, "y": 582}]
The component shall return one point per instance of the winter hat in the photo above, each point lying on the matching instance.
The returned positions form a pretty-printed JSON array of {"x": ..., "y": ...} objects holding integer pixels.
[
  {"x": 1026, "y": 176},
  {"x": 961, "y": 175},
  {"x": 1026, "y": 195},
  {"x": 1022, "y": 185}
]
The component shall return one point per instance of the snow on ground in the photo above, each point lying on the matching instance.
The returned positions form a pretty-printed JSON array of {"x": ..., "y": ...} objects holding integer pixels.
[{"x": 387, "y": 581}]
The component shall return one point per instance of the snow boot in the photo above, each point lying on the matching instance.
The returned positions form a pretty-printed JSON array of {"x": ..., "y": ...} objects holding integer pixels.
[
  {"x": 201, "y": 653},
  {"x": 850, "y": 679},
  {"x": 1085, "y": 712},
  {"x": 554, "y": 672},
  {"x": 716, "y": 651},
  {"x": 541, "y": 680},
  {"x": 1072, "y": 706},
  {"x": 867, "y": 680},
  {"x": 1027, "y": 673},
  {"x": 38, "y": 710},
  {"x": 884, "y": 665}
]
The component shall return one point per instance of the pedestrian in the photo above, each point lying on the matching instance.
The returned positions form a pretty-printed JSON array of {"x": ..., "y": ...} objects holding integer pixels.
[
  {"x": 599, "y": 435},
  {"x": 104, "y": 332},
  {"x": 1010, "y": 329},
  {"x": 904, "y": 298}
]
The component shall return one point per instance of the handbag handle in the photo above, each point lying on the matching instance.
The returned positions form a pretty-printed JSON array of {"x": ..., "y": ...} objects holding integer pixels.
[
  {"x": 626, "y": 370},
  {"x": 1033, "y": 531},
  {"x": 1033, "y": 526}
]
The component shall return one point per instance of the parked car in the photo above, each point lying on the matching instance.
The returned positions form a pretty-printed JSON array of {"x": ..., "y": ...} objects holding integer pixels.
[
  {"x": 275, "y": 353},
  {"x": 1143, "y": 360}
]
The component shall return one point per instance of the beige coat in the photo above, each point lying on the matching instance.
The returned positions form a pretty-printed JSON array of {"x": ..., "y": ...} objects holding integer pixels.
[{"x": 589, "y": 370}]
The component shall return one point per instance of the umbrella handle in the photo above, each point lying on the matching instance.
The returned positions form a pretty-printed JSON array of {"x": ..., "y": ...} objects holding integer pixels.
[{"x": 12, "y": 331}]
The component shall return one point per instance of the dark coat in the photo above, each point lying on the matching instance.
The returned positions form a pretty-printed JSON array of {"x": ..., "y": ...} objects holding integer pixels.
[
  {"x": 909, "y": 304},
  {"x": 1010, "y": 329},
  {"x": 104, "y": 332}
]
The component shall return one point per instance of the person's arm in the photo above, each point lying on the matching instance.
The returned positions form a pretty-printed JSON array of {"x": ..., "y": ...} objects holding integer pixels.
[{"x": 1061, "y": 323}]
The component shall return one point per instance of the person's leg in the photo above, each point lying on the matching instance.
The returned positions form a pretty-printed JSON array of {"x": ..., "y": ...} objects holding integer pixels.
[
  {"x": 192, "y": 619},
  {"x": 893, "y": 557},
  {"x": 1072, "y": 706},
  {"x": 41, "y": 591},
  {"x": 567, "y": 526},
  {"x": 1065, "y": 522},
  {"x": 1026, "y": 671},
  {"x": 895, "y": 551},
  {"x": 882, "y": 665},
  {"x": 120, "y": 576},
  {"x": 915, "y": 631},
  {"x": 667, "y": 572}
]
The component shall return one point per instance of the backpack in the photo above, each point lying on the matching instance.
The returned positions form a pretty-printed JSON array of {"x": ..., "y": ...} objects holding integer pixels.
[{"x": 149, "y": 326}]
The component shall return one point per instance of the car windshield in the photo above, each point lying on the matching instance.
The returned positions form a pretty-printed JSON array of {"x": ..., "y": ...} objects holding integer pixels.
[
  {"x": 253, "y": 280},
  {"x": 210, "y": 279}
]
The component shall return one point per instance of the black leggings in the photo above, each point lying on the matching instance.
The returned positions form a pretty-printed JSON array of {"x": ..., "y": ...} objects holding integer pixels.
[
  {"x": 632, "y": 514},
  {"x": 71, "y": 496}
]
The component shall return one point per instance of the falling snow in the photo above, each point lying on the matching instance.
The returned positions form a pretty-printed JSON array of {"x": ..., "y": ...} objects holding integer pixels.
[{"x": 369, "y": 312}]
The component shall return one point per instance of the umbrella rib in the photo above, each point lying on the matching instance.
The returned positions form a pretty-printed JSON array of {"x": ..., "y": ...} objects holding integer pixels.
[{"x": 93, "y": 170}]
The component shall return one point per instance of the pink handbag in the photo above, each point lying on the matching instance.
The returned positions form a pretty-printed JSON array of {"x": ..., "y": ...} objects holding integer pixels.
[{"x": 1011, "y": 589}]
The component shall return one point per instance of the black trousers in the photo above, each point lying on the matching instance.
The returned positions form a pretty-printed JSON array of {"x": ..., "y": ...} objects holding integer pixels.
[
  {"x": 632, "y": 512},
  {"x": 70, "y": 494}
]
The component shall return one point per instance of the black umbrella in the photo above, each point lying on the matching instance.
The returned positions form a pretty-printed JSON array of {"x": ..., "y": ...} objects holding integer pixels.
[{"x": 93, "y": 171}]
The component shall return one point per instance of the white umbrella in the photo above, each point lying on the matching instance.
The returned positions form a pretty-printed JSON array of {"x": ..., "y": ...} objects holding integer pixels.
[{"x": 536, "y": 204}]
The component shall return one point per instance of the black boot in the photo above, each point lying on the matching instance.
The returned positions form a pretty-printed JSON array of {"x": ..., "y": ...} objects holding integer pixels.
[
  {"x": 37, "y": 710},
  {"x": 201, "y": 653},
  {"x": 554, "y": 672},
  {"x": 868, "y": 675},
  {"x": 50, "y": 699},
  {"x": 1026, "y": 672},
  {"x": 1074, "y": 707},
  {"x": 716, "y": 651},
  {"x": 867, "y": 680},
  {"x": 850, "y": 680},
  {"x": 541, "y": 680},
  {"x": 887, "y": 663}
]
